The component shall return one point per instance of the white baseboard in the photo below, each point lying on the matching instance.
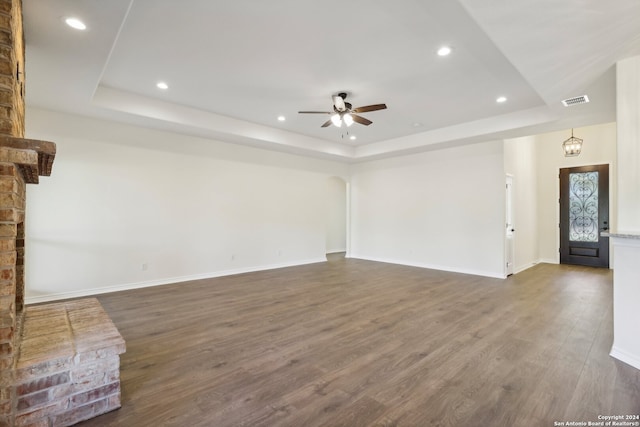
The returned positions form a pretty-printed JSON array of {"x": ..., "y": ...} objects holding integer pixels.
[
  {"x": 433, "y": 266},
  {"x": 555, "y": 261},
  {"x": 623, "y": 356},
  {"x": 336, "y": 251},
  {"x": 159, "y": 282},
  {"x": 525, "y": 267}
]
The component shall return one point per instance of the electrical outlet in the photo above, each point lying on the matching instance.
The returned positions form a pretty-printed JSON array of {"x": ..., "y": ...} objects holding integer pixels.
[{"x": 145, "y": 266}]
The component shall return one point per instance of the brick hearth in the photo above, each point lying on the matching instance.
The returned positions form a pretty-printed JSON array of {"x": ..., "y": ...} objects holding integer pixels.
[{"x": 68, "y": 369}]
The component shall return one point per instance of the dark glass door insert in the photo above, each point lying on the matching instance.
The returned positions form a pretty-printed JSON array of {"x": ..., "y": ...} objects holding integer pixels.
[{"x": 584, "y": 214}]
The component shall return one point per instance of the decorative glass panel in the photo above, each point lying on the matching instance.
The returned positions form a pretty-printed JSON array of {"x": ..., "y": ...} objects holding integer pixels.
[{"x": 583, "y": 207}]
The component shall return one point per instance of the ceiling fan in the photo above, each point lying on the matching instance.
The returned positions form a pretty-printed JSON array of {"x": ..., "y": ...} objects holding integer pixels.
[{"x": 344, "y": 113}]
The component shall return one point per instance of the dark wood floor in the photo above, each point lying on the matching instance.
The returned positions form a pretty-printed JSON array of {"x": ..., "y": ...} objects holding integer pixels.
[{"x": 358, "y": 343}]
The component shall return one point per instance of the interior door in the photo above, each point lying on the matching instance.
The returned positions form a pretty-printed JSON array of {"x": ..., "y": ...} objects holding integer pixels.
[
  {"x": 584, "y": 214},
  {"x": 509, "y": 230}
]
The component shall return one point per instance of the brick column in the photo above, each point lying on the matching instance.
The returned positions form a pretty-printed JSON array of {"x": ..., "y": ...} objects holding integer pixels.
[
  {"x": 12, "y": 76},
  {"x": 12, "y": 203},
  {"x": 12, "y": 190}
]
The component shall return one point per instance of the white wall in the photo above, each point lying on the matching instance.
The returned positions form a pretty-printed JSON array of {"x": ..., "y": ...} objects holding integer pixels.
[
  {"x": 626, "y": 297},
  {"x": 521, "y": 162},
  {"x": 336, "y": 215},
  {"x": 128, "y": 207},
  {"x": 599, "y": 147},
  {"x": 628, "y": 128},
  {"x": 441, "y": 209},
  {"x": 626, "y": 292}
]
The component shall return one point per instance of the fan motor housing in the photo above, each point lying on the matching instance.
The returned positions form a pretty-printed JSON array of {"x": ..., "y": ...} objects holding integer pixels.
[{"x": 347, "y": 107}]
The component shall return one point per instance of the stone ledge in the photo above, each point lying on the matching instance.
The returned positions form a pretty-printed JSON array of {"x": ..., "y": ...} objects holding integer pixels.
[{"x": 33, "y": 165}]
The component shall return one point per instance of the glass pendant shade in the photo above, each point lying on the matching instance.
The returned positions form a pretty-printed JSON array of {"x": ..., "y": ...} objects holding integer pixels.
[
  {"x": 348, "y": 120},
  {"x": 335, "y": 119}
]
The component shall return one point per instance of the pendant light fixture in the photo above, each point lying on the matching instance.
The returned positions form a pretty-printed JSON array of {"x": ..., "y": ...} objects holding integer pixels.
[{"x": 572, "y": 146}]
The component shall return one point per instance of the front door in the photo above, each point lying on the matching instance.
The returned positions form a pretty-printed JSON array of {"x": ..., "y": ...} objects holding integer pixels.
[{"x": 584, "y": 214}]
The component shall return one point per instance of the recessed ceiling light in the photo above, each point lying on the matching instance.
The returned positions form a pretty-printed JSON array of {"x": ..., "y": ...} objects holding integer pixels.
[
  {"x": 75, "y": 23},
  {"x": 352, "y": 137},
  {"x": 281, "y": 118},
  {"x": 444, "y": 51},
  {"x": 162, "y": 85},
  {"x": 501, "y": 99}
]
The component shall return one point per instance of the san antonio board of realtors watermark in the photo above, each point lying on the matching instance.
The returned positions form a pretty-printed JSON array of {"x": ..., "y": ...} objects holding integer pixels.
[{"x": 604, "y": 421}]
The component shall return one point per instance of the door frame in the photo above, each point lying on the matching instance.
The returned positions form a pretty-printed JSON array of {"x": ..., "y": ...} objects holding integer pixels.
[
  {"x": 610, "y": 196},
  {"x": 509, "y": 237}
]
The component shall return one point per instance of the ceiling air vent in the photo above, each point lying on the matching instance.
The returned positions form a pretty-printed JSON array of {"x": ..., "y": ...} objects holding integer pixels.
[{"x": 576, "y": 100}]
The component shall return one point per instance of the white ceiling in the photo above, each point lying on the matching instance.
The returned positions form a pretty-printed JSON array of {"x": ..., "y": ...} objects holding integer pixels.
[{"x": 234, "y": 67}]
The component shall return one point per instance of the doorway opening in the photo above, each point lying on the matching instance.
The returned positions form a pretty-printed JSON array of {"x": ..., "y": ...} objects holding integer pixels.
[
  {"x": 584, "y": 215},
  {"x": 509, "y": 228},
  {"x": 337, "y": 213}
]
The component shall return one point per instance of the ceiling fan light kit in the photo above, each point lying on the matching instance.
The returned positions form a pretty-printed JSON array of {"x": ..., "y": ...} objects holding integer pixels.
[{"x": 344, "y": 113}]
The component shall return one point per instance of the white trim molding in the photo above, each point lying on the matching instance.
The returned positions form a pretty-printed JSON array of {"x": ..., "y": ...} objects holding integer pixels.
[
  {"x": 473, "y": 272},
  {"x": 625, "y": 357},
  {"x": 167, "y": 281}
]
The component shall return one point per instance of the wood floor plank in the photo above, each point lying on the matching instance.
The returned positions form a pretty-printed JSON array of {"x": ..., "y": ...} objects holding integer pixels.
[
  {"x": 360, "y": 413},
  {"x": 359, "y": 343}
]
